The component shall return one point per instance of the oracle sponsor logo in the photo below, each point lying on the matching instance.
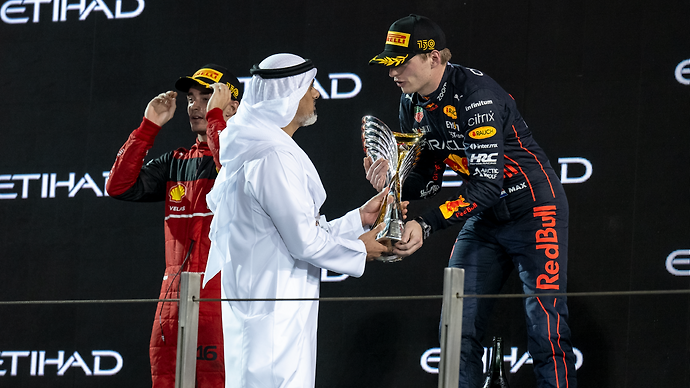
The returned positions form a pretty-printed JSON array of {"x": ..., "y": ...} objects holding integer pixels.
[
  {"x": 682, "y": 72},
  {"x": 678, "y": 262},
  {"x": 52, "y": 185},
  {"x": 25, "y": 11},
  {"x": 430, "y": 359},
  {"x": 38, "y": 363}
]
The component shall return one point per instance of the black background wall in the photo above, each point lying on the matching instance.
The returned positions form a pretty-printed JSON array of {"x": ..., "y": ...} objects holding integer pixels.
[{"x": 607, "y": 83}]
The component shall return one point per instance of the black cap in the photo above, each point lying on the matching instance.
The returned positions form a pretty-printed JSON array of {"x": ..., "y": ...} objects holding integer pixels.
[
  {"x": 210, "y": 74},
  {"x": 407, "y": 37}
]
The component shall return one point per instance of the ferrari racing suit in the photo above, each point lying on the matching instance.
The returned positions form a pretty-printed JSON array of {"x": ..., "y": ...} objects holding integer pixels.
[
  {"x": 512, "y": 208},
  {"x": 181, "y": 178}
]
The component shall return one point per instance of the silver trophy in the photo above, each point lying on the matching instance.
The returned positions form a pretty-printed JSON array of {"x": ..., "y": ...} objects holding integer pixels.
[{"x": 402, "y": 151}]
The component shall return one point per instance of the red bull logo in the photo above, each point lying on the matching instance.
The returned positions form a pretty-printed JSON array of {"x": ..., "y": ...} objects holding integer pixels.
[
  {"x": 451, "y": 207},
  {"x": 547, "y": 239}
]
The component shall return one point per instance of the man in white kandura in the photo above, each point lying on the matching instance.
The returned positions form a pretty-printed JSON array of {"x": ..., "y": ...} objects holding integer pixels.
[{"x": 267, "y": 236}]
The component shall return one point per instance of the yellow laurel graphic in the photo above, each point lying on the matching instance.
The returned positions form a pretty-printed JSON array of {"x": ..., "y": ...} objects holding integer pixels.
[
  {"x": 177, "y": 193},
  {"x": 388, "y": 61}
]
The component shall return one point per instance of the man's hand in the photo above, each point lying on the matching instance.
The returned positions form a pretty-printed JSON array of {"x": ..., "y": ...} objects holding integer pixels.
[
  {"x": 374, "y": 248},
  {"x": 412, "y": 239},
  {"x": 162, "y": 108},
  {"x": 369, "y": 212},
  {"x": 220, "y": 98},
  {"x": 376, "y": 172}
]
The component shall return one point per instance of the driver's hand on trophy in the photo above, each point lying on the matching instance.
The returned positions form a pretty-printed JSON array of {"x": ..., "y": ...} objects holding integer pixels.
[
  {"x": 376, "y": 172},
  {"x": 369, "y": 212},
  {"x": 403, "y": 207},
  {"x": 374, "y": 248},
  {"x": 412, "y": 239}
]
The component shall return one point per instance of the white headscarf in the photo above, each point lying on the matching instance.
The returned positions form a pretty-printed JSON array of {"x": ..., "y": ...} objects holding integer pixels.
[{"x": 268, "y": 105}]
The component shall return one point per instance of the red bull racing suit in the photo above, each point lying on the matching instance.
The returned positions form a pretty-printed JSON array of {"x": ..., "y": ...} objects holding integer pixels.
[
  {"x": 181, "y": 178},
  {"x": 512, "y": 208}
]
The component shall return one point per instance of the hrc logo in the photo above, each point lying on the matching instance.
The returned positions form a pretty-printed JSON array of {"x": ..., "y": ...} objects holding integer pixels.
[{"x": 398, "y": 38}]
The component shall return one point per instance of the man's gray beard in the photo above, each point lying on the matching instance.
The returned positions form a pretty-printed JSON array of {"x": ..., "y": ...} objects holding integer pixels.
[{"x": 309, "y": 120}]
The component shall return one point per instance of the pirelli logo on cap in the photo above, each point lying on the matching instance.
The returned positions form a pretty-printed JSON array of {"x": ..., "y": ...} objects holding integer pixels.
[
  {"x": 208, "y": 73},
  {"x": 398, "y": 39}
]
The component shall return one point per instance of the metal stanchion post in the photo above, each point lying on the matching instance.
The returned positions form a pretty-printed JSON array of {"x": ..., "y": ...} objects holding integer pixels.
[
  {"x": 188, "y": 330},
  {"x": 451, "y": 327}
]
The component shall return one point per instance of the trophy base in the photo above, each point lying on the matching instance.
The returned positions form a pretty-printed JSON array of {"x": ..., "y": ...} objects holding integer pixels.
[{"x": 388, "y": 257}]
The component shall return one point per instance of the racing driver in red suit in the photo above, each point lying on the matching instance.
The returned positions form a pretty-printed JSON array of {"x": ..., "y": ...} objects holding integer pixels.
[
  {"x": 181, "y": 178},
  {"x": 511, "y": 205}
]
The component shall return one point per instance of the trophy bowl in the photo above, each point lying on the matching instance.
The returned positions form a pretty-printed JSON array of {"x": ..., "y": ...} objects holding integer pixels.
[{"x": 402, "y": 152}]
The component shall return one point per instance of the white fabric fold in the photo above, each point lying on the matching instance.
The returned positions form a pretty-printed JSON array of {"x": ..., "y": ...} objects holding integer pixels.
[{"x": 265, "y": 240}]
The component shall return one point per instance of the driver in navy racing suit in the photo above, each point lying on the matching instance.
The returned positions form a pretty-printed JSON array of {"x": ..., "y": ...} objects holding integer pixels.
[{"x": 511, "y": 205}]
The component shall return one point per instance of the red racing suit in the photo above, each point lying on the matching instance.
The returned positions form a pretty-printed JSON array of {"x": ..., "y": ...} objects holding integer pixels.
[{"x": 181, "y": 178}]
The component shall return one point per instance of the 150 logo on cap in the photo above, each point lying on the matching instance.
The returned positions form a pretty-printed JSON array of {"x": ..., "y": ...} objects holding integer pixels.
[{"x": 398, "y": 38}]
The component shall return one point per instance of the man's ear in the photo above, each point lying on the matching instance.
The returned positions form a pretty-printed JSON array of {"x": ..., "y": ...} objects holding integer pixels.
[
  {"x": 231, "y": 109},
  {"x": 435, "y": 57}
]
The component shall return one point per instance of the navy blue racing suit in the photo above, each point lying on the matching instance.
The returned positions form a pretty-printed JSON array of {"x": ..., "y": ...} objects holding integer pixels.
[{"x": 512, "y": 208}]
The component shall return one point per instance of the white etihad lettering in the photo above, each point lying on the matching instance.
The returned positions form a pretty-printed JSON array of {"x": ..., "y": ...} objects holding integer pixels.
[
  {"x": 480, "y": 118},
  {"x": 16, "y": 12},
  {"x": 50, "y": 184},
  {"x": 478, "y": 104},
  {"x": 683, "y": 72},
  {"x": 37, "y": 362},
  {"x": 678, "y": 262},
  {"x": 433, "y": 356}
]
